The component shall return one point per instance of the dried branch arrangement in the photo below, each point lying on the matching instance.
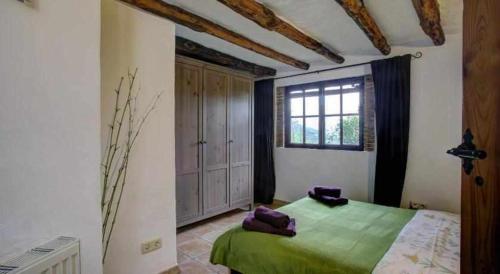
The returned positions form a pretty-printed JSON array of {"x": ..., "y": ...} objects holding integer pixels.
[{"x": 123, "y": 132}]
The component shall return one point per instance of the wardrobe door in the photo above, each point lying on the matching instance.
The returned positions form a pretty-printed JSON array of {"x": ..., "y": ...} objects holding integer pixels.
[
  {"x": 187, "y": 138},
  {"x": 215, "y": 176},
  {"x": 240, "y": 115}
]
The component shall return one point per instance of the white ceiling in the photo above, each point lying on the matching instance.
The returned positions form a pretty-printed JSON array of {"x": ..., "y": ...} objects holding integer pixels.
[{"x": 324, "y": 20}]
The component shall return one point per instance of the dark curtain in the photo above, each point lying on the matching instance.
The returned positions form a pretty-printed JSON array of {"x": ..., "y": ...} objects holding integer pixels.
[
  {"x": 264, "y": 177},
  {"x": 392, "y": 107}
]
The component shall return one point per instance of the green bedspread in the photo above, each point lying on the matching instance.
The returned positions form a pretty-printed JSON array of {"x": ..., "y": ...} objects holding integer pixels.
[{"x": 344, "y": 239}]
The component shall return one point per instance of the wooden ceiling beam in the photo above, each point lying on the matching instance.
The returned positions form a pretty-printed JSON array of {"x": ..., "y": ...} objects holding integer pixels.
[
  {"x": 430, "y": 19},
  {"x": 267, "y": 19},
  {"x": 192, "y": 49},
  {"x": 358, "y": 12},
  {"x": 200, "y": 24}
]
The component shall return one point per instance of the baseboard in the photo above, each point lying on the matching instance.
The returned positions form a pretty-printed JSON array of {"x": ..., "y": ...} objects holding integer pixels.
[
  {"x": 172, "y": 270},
  {"x": 281, "y": 202}
]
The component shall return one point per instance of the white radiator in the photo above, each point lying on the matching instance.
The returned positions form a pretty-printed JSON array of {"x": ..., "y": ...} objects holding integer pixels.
[{"x": 59, "y": 256}]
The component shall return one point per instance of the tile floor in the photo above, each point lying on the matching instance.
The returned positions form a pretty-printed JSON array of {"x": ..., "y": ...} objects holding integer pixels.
[{"x": 194, "y": 242}]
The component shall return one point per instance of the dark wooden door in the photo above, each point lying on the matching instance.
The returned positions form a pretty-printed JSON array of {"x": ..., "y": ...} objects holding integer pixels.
[
  {"x": 187, "y": 136},
  {"x": 480, "y": 247}
]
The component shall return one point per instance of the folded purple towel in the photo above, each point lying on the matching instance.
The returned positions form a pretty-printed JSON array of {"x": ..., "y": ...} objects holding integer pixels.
[
  {"x": 253, "y": 224},
  {"x": 272, "y": 217},
  {"x": 327, "y": 191},
  {"x": 327, "y": 200}
]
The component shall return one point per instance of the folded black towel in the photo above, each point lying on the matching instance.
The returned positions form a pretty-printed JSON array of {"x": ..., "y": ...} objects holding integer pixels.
[
  {"x": 328, "y": 200},
  {"x": 253, "y": 224},
  {"x": 272, "y": 217},
  {"x": 327, "y": 191}
]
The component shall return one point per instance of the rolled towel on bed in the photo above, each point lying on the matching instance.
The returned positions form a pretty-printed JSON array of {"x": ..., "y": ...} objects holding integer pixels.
[
  {"x": 272, "y": 217},
  {"x": 327, "y": 191},
  {"x": 328, "y": 200},
  {"x": 253, "y": 224}
]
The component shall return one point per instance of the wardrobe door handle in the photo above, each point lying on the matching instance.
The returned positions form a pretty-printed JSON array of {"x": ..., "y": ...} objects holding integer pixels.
[
  {"x": 202, "y": 142},
  {"x": 231, "y": 141}
]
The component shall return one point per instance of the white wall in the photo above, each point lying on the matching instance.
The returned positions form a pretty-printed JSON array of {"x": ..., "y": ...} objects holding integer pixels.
[
  {"x": 134, "y": 39},
  {"x": 432, "y": 177},
  {"x": 50, "y": 125}
]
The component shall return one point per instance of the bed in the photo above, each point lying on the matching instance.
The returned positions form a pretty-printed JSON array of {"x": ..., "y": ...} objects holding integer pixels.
[{"x": 355, "y": 238}]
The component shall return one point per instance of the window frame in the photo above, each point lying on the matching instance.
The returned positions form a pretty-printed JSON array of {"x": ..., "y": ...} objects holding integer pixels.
[{"x": 321, "y": 115}]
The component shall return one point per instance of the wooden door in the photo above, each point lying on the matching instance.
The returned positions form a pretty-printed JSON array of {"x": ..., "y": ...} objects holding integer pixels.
[
  {"x": 240, "y": 128},
  {"x": 480, "y": 245},
  {"x": 216, "y": 153},
  {"x": 187, "y": 137}
]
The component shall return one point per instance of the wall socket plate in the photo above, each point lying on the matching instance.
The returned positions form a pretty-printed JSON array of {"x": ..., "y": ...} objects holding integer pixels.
[
  {"x": 27, "y": 2},
  {"x": 151, "y": 246},
  {"x": 417, "y": 205}
]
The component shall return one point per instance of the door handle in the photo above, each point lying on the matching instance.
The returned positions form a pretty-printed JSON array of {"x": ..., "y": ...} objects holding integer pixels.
[
  {"x": 230, "y": 141},
  {"x": 467, "y": 152},
  {"x": 202, "y": 142}
]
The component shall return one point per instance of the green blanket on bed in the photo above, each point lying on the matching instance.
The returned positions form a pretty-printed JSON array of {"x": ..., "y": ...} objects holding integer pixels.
[{"x": 344, "y": 239}]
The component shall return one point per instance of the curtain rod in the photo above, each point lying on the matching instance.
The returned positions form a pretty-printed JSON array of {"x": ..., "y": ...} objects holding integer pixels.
[{"x": 417, "y": 55}]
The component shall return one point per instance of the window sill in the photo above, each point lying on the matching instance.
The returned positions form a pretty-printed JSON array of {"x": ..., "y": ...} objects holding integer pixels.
[{"x": 343, "y": 148}]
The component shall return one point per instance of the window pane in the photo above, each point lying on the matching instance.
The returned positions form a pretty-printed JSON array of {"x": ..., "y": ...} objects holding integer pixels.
[
  {"x": 350, "y": 126},
  {"x": 312, "y": 105},
  {"x": 312, "y": 130},
  {"x": 296, "y": 106},
  {"x": 330, "y": 88},
  {"x": 350, "y": 102},
  {"x": 296, "y": 92},
  {"x": 332, "y": 130},
  {"x": 312, "y": 90},
  {"x": 332, "y": 104},
  {"x": 296, "y": 126}
]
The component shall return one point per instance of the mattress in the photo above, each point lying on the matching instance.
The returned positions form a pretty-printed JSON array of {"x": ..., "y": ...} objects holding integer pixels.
[
  {"x": 345, "y": 239},
  {"x": 355, "y": 238}
]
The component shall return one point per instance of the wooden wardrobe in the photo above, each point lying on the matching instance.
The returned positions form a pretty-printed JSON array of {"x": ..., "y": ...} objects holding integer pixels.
[{"x": 213, "y": 140}]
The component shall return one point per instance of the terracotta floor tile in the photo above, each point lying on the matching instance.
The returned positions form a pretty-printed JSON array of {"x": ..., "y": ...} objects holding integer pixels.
[
  {"x": 184, "y": 236},
  {"x": 195, "y": 247},
  {"x": 202, "y": 229},
  {"x": 205, "y": 260},
  {"x": 181, "y": 257},
  {"x": 194, "y": 267},
  {"x": 212, "y": 236}
]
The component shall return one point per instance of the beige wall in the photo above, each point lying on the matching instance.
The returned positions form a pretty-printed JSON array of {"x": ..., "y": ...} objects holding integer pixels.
[
  {"x": 49, "y": 126},
  {"x": 130, "y": 39},
  {"x": 432, "y": 176}
]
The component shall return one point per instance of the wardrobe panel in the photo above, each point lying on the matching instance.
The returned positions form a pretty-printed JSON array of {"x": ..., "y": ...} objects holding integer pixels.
[
  {"x": 216, "y": 88},
  {"x": 187, "y": 193},
  {"x": 216, "y": 197},
  {"x": 240, "y": 138},
  {"x": 240, "y": 184},
  {"x": 216, "y": 188},
  {"x": 187, "y": 147}
]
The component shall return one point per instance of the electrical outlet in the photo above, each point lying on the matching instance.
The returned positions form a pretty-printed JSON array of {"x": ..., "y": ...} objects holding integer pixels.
[
  {"x": 151, "y": 246},
  {"x": 28, "y": 3},
  {"x": 415, "y": 205}
]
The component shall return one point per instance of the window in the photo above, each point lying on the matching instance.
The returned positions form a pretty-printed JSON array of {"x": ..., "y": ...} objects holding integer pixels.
[{"x": 325, "y": 115}]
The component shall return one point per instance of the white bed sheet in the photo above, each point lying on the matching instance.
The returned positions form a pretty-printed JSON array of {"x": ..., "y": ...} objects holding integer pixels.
[{"x": 428, "y": 244}]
